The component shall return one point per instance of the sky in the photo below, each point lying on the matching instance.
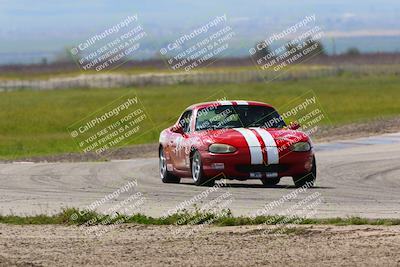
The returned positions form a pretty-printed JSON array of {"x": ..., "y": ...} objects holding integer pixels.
[{"x": 29, "y": 27}]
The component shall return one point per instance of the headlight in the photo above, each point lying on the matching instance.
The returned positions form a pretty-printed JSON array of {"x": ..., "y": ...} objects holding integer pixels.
[
  {"x": 301, "y": 147},
  {"x": 221, "y": 148}
]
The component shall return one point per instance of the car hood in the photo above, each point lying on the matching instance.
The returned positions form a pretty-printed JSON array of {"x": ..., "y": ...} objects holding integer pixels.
[{"x": 244, "y": 137}]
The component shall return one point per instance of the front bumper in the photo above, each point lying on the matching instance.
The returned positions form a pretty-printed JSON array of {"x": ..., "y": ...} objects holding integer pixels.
[{"x": 237, "y": 165}]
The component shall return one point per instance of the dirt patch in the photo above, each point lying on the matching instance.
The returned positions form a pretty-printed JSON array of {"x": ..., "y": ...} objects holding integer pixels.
[
  {"x": 354, "y": 130},
  {"x": 129, "y": 245},
  {"x": 324, "y": 134}
]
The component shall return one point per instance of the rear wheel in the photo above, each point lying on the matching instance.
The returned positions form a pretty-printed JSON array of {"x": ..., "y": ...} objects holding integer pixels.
[
  {"x": 270, "y": 181},
  {"x": 197, "y": 171},
  {"x": 307, "y": 178},
  {"x": 166, "y": 176}
]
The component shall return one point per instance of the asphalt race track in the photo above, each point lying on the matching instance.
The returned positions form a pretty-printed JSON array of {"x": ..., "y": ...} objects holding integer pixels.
[{"x": 359, "y": 177}]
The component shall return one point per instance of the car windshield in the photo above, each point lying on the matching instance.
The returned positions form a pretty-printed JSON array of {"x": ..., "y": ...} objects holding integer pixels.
[{"x": 220, "y": 117}]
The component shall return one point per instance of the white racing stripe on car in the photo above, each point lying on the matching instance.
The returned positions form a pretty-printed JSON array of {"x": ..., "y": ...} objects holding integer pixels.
[
  {"x": 270, "y": 146},
  {"x": 240, "y": 102},
  {"x": 256, "y": 156},
  {"x": 225, "y": 103}
]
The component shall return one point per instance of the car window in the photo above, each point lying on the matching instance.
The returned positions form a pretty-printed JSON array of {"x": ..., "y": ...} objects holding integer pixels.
[
  {"x": 184, "y": 121},
  {"x": 238, "y": 116},
  {"x": 217, "y": 117}
]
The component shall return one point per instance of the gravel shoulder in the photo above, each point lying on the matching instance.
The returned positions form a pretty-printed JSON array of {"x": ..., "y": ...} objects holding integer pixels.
[{"x": 140, "y": 245}]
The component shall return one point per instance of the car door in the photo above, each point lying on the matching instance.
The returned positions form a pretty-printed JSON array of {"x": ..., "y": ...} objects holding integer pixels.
[{"x": 180, "y": 145}]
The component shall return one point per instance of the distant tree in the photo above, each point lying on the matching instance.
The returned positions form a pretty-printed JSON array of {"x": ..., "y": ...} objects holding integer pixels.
[
  {"x": 313, "y": 47},
  {"x": 262, "y": 50},
  {"x": 352, "y": 51},
  {"x": 44, "y": 61},
  {"x": 290, "y": 46},
  {"x": 308, "y": 48},
  {"x": 65, "y": 56}
]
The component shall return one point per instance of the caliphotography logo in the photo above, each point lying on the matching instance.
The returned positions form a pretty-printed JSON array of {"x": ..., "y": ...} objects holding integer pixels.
[{"x": 111, "y": 47}]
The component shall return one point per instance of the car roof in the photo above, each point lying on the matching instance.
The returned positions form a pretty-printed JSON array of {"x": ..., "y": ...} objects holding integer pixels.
[{"x": 227, "y": 103}]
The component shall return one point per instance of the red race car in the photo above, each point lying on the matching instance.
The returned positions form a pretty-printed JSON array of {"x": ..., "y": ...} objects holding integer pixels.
[{"x": 235, "y": 140}]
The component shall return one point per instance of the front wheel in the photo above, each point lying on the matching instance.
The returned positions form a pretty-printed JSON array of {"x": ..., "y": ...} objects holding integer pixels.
[
  {"x": 197, "y": 171},
  {"x": 166, "y": 176},
  {"x": 307, "y": 178}
]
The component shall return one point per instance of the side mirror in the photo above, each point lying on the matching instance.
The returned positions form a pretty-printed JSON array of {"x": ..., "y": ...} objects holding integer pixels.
[
  {"x": 294, "y": 125},
  {"x": 177, "y": 129}
]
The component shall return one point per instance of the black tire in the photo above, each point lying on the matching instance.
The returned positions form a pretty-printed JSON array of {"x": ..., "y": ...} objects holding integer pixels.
[
  {"x": 270, "y": 181},
  {"x": 307, "y": 178},
  {"x": 196, "y": 167},
  {"x": 166, "y": 176}
]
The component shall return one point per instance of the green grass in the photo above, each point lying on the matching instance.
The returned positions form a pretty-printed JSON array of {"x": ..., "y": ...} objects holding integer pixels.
[
  {"x": 35, "y": 122},
  {"x": 67, "y": 217}
]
